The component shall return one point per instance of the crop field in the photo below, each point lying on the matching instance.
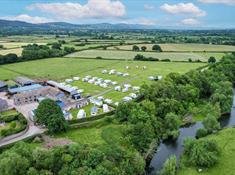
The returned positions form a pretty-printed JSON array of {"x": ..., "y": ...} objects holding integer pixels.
[
  {"x": 225, "y": 166},
  {"x": 182, "y": 47},
  {"x": 60, "y": 69},
  {"x": 129, "y": 55},
  {"x": 17, "y": 51}
]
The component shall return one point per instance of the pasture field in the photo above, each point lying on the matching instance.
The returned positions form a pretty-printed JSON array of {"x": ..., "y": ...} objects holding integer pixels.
[
  {"x": 182, "y": 47},
  {"x": 17, "y": 51},
  {"x": 129, "y": 55},
  {"x": 60, "y": 69},
  {"x": 225, "y": 166}
]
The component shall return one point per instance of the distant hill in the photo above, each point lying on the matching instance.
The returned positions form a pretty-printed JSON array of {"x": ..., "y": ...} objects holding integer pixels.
[{"x": 63, "y": 25}]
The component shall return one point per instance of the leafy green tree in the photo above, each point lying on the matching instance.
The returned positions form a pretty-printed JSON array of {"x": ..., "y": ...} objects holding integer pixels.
[
  {"x": 141, "y": 135},
  {"x": 170, "y": 166},
  {"x": 211, "y": 123},
  {"x": 56, "y": 46},
  {"x": 172, "y": 124},
  {"x": 123, "y": 111},
  {"x": 12, "y": 163},
  {"x": 135, "y": 48},
  {"x": 201, "y": 153},
  {"x": 157, "y": 48},
  {"x": 202, "y": 132},
  {"x": 50, "y": 114},
  {"x": 211, "y": 60},
  {"x": 144, "y": 48}
]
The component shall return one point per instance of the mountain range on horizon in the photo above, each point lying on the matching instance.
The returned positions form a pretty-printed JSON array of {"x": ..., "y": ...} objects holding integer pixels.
[{"x": 8, "y": 24}]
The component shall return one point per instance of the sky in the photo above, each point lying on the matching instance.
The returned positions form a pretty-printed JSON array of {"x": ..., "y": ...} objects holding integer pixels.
[{"x": 156, "y": 13}]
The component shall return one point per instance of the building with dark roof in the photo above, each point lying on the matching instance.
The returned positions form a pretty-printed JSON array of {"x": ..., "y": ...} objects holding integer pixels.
[{"x": 24, "y": 81}]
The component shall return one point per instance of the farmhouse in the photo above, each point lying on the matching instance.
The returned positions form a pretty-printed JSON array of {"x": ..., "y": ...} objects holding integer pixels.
[
  {"x": 24, "y": 81},
  {"x": 28, "y": 94},
  {"x": 3, "y": 86},
  {"x": 3, "y": 105}
]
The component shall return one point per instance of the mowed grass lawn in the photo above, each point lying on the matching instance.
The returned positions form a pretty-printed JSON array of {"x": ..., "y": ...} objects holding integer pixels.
[
  {"x": 226, "y": 164},
  {"x": 129, "y": 55},
  {"x": 60, "y": 69},
  {"x": 182, "y": 47}
]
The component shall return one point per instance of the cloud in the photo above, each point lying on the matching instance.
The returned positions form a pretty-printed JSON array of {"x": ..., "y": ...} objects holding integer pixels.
[
  {"x": 183, "y": 8},
  {"x": 190, "y": 22},
  {"x": 227, "y": 2},
  {"x": 91, "y": 10},
  {"x": 27, "y": 18},
  {"x": 149, "y": 7},
  {"x": 140, "y": 21}
]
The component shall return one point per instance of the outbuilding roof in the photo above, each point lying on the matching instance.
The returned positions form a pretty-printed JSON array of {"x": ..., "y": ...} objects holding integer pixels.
[{"x": 25, "y": 88}]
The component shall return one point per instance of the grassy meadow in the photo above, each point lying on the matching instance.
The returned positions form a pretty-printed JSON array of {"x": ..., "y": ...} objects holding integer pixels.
[
  {"x": 181, "y": 47},
  {"x": 129, "y": 55}
]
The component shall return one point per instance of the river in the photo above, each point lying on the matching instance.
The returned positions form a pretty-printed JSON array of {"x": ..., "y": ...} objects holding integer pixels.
[{"x": 165, "y": 149}]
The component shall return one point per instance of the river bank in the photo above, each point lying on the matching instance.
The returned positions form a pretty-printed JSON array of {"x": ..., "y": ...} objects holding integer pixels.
[{"x": 167, "y": 148}]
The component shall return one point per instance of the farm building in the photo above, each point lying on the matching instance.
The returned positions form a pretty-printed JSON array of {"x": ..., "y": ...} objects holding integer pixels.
[
  {"x": 34, "y": 95},
  {"x": 68, "y": 90},
  {"x": 24, "y": 81},
  {"x": 3, "y": 105},
  {"x": 3, "y": 86},
  {"x": 81, "y": 114},
  {"x": 24, "y": 89}
]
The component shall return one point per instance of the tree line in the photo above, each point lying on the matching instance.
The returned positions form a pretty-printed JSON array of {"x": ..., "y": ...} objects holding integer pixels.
[{"x": 34, "y": 52}]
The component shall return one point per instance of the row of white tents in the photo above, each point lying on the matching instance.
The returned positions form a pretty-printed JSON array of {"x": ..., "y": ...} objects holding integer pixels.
[{"x": 114, "y": 72}]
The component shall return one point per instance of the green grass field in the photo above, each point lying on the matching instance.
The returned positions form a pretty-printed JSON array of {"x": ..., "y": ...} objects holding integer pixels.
[
  {"x": 226, "y": 164},
  {"x": 129, "y": 55},
  {"x": 182, "y": 47},
  {"x": 97, "y": 132},
  {"x": 62, "y": 68}
]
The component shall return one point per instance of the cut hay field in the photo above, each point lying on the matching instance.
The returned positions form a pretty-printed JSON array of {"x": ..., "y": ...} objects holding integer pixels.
[
  {"x": 129, "y": 55},
  {"x": 182, "y": 47},
  {"x": 61, "y": 68},
  {"x": 17, "y": 51},
  {"x": 225, "y": 165}
]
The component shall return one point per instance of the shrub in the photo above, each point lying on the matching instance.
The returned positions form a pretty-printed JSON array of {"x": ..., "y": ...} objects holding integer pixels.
[{"x": 202, "y": 132}]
